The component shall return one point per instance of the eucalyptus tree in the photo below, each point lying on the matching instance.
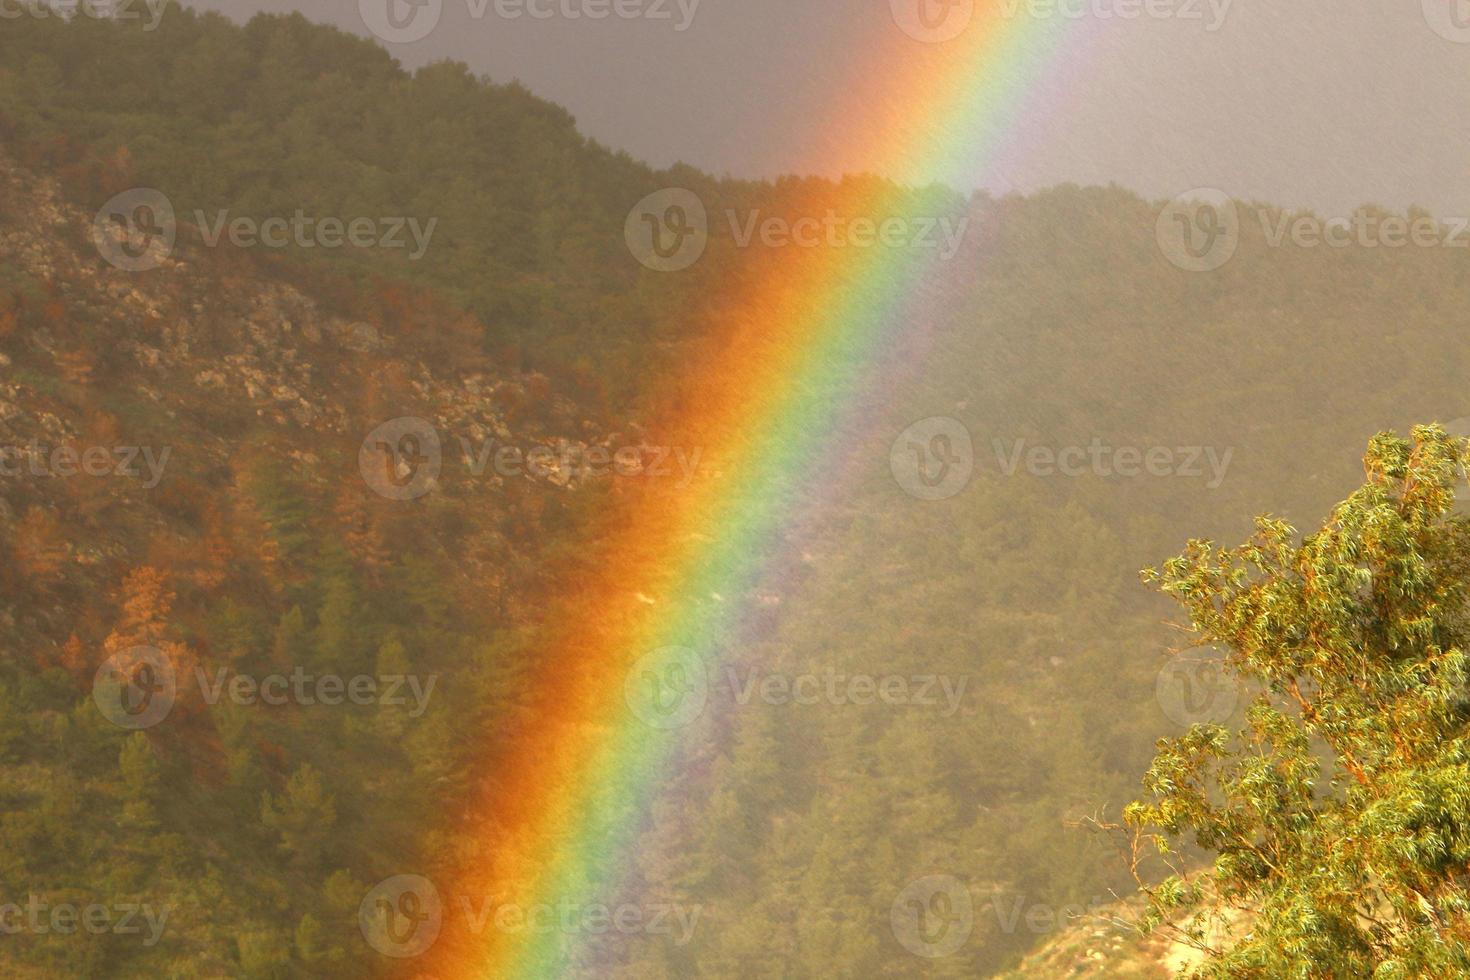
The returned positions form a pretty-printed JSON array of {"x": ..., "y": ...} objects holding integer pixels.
[{"x": 1338, "y": 814}]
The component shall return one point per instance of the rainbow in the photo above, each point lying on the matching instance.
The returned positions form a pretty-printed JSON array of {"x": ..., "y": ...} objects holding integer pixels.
[{"x": 568, "y": 796}]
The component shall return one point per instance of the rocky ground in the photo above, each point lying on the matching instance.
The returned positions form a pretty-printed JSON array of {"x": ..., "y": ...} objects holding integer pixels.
[{"x": 188, "y": 336}]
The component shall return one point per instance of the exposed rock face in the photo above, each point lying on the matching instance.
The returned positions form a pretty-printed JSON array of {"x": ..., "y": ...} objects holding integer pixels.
[
  {"x": 149, "y": 416},
  {"x": 197, "y": 334},
  {"x": 358, "y": 336},
  {"x": 1103, "y": 944}
]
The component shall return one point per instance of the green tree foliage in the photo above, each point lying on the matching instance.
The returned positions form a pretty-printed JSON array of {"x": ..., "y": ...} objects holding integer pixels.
[
  {"x": 1339, "y": 816},
  {"x": 303, "y": 817},
  {"x": 141, "y": 783}
]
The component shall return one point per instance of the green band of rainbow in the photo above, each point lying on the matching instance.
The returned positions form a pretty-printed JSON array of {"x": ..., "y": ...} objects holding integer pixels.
[{"x": 570, "y": 796}]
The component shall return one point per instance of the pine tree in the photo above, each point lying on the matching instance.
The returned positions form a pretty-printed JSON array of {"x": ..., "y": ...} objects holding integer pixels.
[
  {"x": 336, "y": 628},
  {"x": 303, "y": 817},
  {"x": 291, "y": 643},
  {"x": 141, "y": 781}
]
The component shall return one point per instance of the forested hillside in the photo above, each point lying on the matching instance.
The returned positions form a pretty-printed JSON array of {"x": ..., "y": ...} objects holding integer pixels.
[
  {"x": 231, "y": 524},
  {"x": 1074, "y": 329},
  {"x": 527, "y": 321},
  {"x": 283, "y": 116}
]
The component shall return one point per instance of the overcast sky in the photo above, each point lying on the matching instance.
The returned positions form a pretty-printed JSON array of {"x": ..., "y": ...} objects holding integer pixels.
[{"x": 1321, "y": 103}]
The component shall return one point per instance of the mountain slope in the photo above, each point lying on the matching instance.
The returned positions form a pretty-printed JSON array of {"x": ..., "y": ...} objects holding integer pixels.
[{"x": 182, "y": 472}]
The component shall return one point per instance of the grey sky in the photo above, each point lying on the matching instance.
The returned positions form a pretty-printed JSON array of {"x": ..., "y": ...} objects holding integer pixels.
[{"x": 1321, "y": 103}]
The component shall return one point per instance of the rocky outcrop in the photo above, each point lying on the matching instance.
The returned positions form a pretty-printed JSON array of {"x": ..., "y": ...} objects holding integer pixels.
[{"x": 193, "y": 335}]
